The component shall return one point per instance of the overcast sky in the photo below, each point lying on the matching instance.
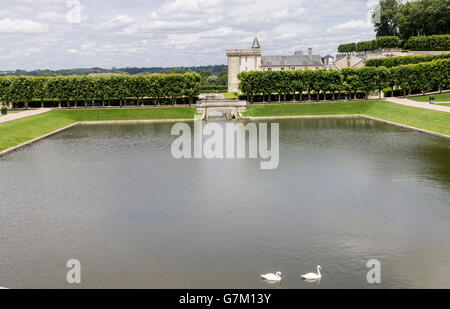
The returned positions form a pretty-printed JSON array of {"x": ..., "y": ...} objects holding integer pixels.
[{"x": 51, "y": 34}]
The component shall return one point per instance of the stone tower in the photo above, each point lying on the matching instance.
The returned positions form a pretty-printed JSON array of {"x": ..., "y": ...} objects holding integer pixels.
[{"x": 242, "y": 60}]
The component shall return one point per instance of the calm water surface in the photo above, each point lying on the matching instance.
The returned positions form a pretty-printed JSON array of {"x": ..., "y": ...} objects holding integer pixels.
[{"x": 346, "y": 191}]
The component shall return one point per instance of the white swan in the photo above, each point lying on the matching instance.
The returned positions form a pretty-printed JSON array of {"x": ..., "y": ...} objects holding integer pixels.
[
  {"x": 272, "y": 277},
  {"x": 313, "y": 276}
]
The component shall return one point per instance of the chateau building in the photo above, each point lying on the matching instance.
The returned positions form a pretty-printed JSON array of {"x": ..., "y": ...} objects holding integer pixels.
[{"x": 244, "y": 60}]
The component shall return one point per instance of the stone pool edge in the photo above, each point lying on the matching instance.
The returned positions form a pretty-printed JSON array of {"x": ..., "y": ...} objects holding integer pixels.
[
  {"x": 8, "y": 151},
  {"x": 435, "y": 134},
  {"x": 12, "y": 149},
  {"x": 37, "y": 139}
]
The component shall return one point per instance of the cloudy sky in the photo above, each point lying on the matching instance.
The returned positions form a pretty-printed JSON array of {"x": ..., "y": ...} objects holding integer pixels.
[{"x": 62, "y": 34}]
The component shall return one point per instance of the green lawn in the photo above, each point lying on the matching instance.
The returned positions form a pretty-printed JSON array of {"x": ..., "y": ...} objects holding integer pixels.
[
  {"x": 444, "y": 104},
  {"x": 19, "y": 131},
  {"x": 443, "y": 97},
  {"x": 416, "y": 117}
]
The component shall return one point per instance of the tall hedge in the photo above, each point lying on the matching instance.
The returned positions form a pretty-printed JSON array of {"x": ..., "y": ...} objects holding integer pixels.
[
  {"x": 396, "y": 61},
  {"x": 421, "y": 76},
  {"x": 75, "y": 89},
  {"x": 429, "y": 43},
  {"x": 381, "y": 42}
]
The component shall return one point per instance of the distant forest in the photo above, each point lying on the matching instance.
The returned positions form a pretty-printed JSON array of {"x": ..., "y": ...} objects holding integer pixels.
[{"x": 213, "y": 69}]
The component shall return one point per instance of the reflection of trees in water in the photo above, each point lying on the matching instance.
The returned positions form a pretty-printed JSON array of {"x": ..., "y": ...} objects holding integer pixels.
[
  {"x": 437, "y": 156},
  {"x": 425, "y": 156}
]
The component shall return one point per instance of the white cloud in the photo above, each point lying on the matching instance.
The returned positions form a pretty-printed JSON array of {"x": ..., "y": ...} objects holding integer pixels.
[
  {"x": 51, "y": 15},
  {"x": 173, "y": 32},
  {"x": 32, "y": 50},
  {"x": 9, "y": 25},
  {"x": 354, "y": 25},
  {"x": 117, "y": 22}
]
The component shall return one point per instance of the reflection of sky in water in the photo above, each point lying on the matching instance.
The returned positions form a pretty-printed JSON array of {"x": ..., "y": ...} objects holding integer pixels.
[{"x": 346, "y": 191}]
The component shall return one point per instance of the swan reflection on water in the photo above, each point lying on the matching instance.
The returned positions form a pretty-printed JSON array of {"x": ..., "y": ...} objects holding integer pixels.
[{"x": 312, "y": 281}]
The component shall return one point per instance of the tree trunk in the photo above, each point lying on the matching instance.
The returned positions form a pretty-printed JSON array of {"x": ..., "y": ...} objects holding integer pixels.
[
  {"x": 103, "y": 103},
  {"x": 440, "y": 89},
  {"x": 154, "y": 102},
  {"x": 173, "y": 101},
  {"x": 85, "y": 103},
  {"x": 120, "y": 103},
  {"x": 42, "y": 103},
  {"x": 279, "y": 98},
  {"x": 284, "y": 97},
  {"x": 26, "y": 105},
  {"x": 300, "y": 96},
  {"x": 68, "y": 104},
  {"x": 309, "y": 95},
  {"x": 269, "y": 99}
]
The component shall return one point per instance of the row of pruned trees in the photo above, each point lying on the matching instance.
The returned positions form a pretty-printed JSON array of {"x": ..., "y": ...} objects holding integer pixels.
[
  {"x": 75, "y": 89},
  {"x": 350, "y": 81}
]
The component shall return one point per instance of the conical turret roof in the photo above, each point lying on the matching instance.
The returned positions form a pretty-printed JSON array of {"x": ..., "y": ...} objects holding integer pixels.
[{"x": 256, "y": 44}]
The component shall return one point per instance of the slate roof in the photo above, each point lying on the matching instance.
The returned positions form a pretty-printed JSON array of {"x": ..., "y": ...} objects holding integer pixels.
[{"x": 297, "y": 60}]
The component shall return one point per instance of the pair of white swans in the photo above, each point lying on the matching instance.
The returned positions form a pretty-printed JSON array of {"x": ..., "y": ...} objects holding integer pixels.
[{"x": 277, "y": 276}]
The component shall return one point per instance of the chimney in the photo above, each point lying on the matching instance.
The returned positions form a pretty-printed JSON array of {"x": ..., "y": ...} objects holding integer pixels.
[{"x": 310, "y": 53}]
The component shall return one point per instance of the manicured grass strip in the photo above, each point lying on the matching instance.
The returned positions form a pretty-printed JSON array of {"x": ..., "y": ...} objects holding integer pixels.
[
  {"x": 14, "y": 133},
  {"x": 430, "y": 120},
  {"x": 340, "y": 108},
  {"x": 442, "y": 97},
  {"x": 421, "y": 118},
  {"x": 444, "y": 104},
  {"x": 130, "y": 114}
]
